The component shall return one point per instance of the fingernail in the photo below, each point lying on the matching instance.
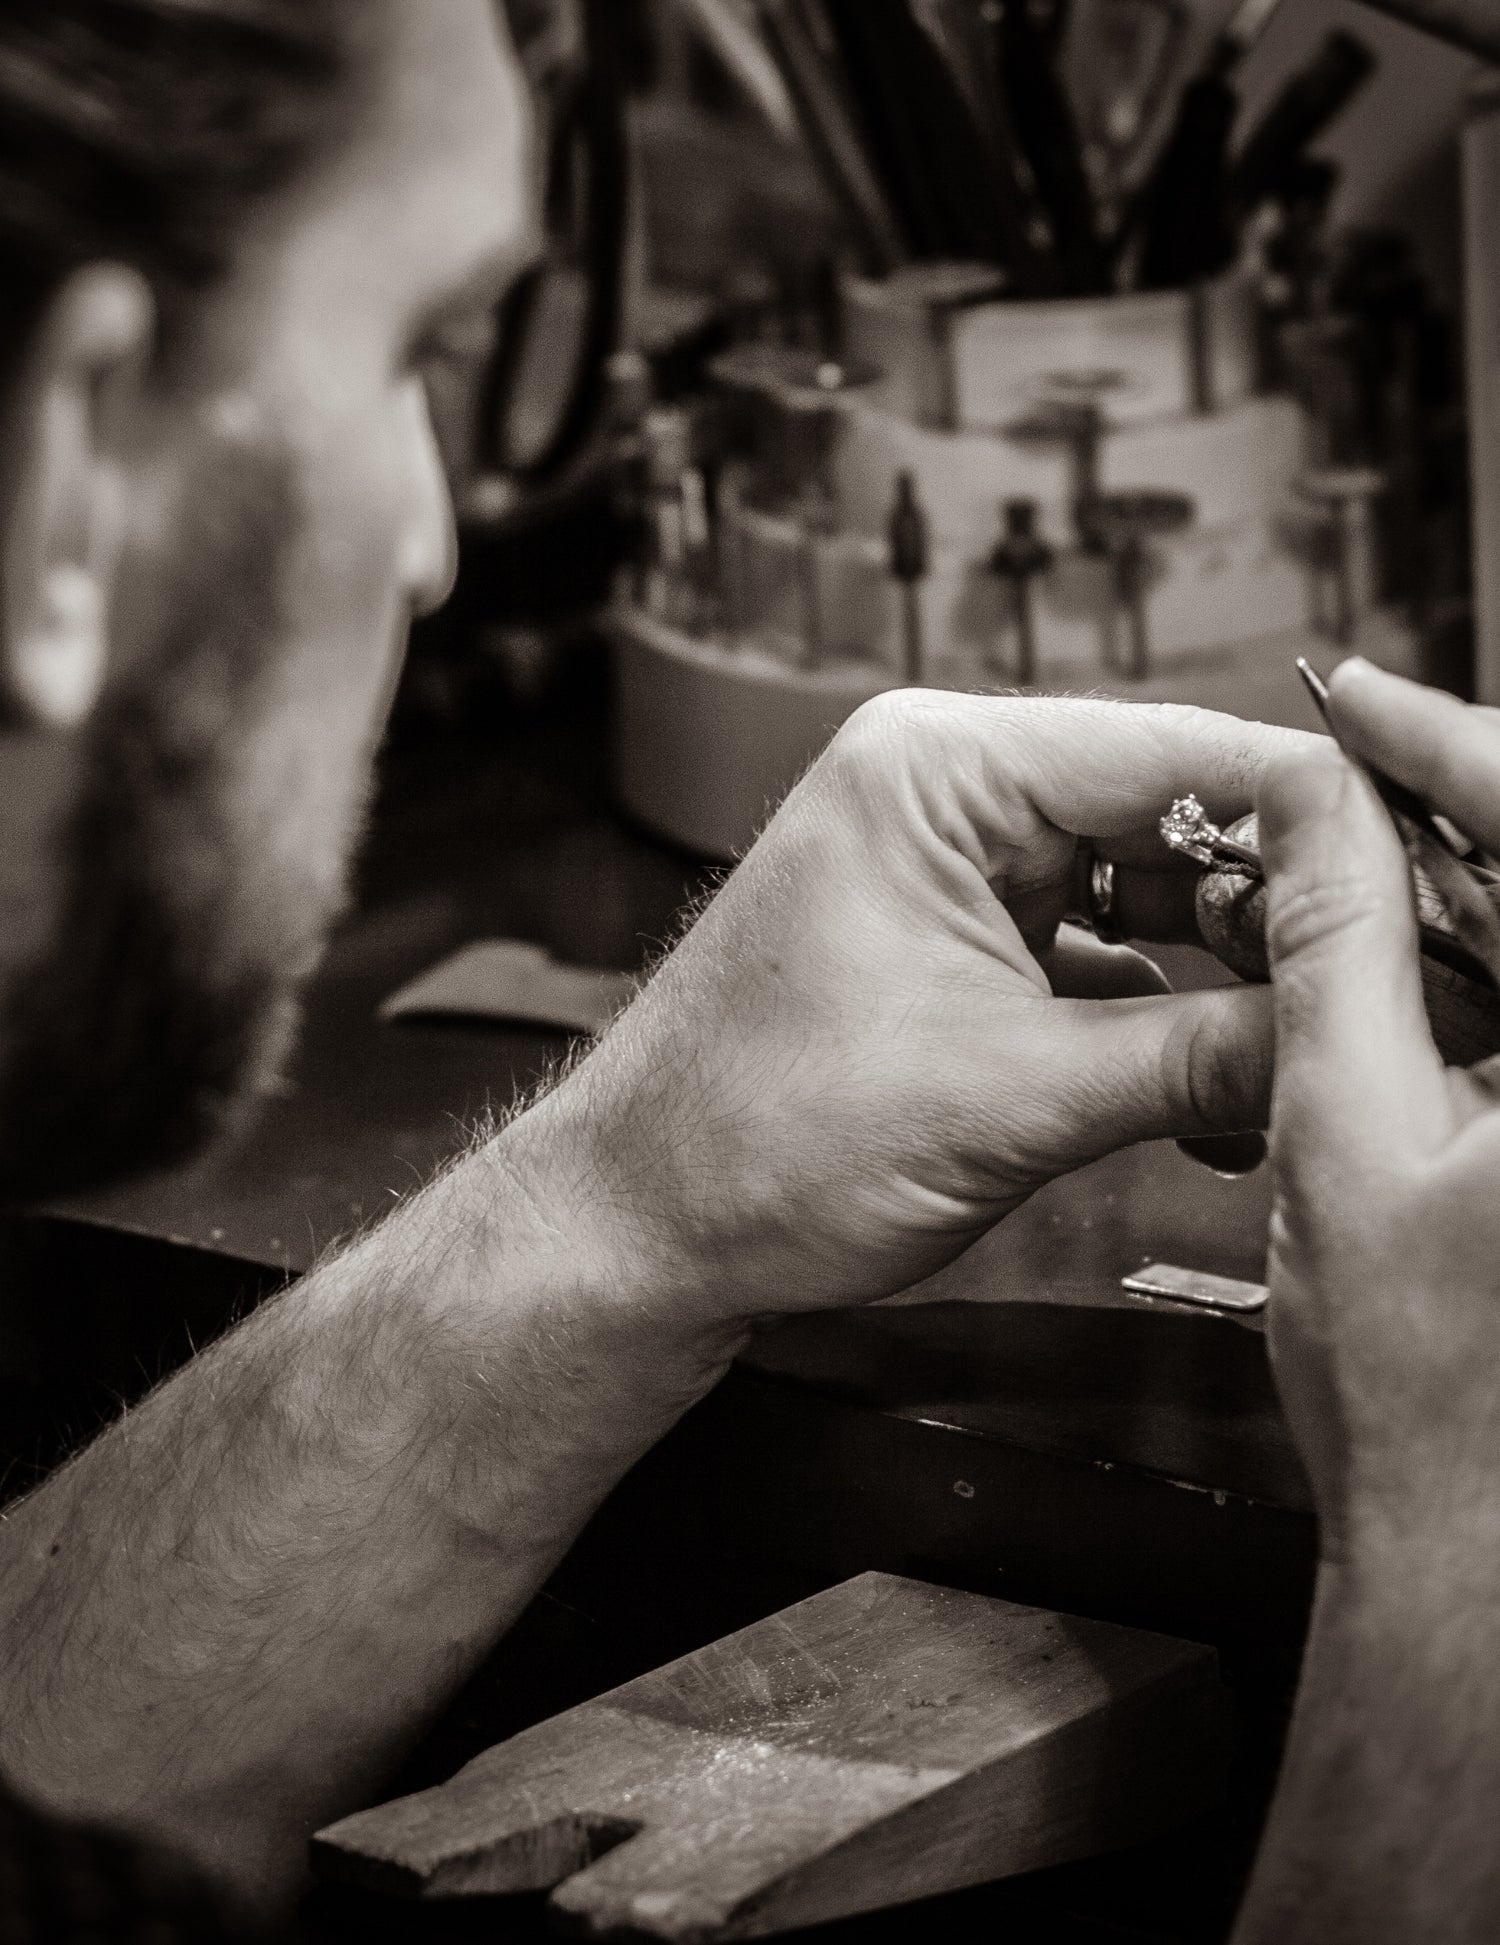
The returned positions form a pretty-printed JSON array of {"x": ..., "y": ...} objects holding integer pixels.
[
  {"x": 1358, "y": 669},
  {"x": 1231, "y": 1156}
]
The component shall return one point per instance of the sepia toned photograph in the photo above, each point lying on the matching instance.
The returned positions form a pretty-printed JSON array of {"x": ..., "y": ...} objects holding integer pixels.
[{"x": 750, "y": 972}]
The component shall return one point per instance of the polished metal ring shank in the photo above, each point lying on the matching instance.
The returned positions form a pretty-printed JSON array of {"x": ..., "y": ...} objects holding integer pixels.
[{"x": 1102, "y": 915}]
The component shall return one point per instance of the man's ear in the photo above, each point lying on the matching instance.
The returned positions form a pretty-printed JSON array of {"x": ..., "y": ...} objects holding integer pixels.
[{"x": 63, "y": 512}]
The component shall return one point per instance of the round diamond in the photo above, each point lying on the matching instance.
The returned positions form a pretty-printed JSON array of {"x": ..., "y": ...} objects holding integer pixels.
[{"x": 1189, "y": 830}]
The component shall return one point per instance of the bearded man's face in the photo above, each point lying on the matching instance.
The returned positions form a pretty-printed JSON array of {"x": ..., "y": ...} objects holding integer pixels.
[{"x": 287, "y": 514}]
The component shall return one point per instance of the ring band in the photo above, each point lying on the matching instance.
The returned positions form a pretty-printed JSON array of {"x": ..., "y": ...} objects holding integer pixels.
[{"x": 1100, "y": 891}]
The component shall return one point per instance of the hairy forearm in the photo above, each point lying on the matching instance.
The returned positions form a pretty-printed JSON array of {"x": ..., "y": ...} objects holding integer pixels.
[
  {"x": 224, "y": 1620},
  {"x": 1385, "y": 1820}
]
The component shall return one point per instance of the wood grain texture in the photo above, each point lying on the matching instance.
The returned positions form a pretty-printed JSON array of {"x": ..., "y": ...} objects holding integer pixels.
[{"x": 881, "y": 1742}]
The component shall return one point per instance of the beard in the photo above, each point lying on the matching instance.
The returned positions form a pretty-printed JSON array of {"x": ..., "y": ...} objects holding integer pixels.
[{"x": 191, "y": 894}]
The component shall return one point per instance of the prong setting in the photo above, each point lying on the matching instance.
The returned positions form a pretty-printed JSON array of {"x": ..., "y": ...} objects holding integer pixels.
[{"x": 1189, "y": 830}]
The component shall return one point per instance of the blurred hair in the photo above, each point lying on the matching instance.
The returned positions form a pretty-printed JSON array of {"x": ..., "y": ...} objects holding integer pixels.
[{"x": 142, "y": 130}]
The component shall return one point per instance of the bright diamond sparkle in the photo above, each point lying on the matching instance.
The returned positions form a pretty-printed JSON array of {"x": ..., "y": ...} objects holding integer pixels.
[{"x": 1189, "y": 829}]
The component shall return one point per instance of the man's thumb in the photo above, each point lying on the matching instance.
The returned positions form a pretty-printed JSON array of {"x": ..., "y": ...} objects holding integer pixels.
[
  {"x": 1181, "y": 1065},
  {"x": 1355, "y": 1057}
]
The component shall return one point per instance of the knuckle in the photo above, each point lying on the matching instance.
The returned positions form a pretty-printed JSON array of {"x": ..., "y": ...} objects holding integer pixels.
[
  {"x": 1229, "y": 746},
  {"x": 890, "y": 741},
  {"x": 1179, "y": 719},
  {"x": 865, "y": 751},
  {"x": 883, "y": 722},
  {"x": 1208, "y": 1071},
  {"x": 1328, "y": 1228}
]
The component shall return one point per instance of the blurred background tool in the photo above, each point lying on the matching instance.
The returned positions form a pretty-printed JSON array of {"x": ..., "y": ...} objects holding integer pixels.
[
  {"x": 1317, "y": 354},
  {"x": 1343, "y": 497},
  {"x": 780, "y": 410},
  {"x": 1075, "y": 406},
  {"x": 1125, "y": 60},
  {"x": 910, "y": 540},
  {"x": 544, "y": 395},
  {"x": 677, "y": 575},
  {"x": 980, "y": 261},
  {"x": 1304, "y": 110},
  {"x": 731, "y": 28},
  {"x": 1126, "y": 525},
  {"x": 908, "y": 326},
  {"x": 1019, "y": 557},
  {"x": 1053, "y": 18},
  {"x": 820, "y": 97},
  {"x": 1182, "y": 213},
  {"x": 882, "y": 118},
  {"x": 1048, "y": 136},
  {"x": 1473, "y": 25},
  {"x": 1022, "y": 136},
  {"x": 955, "y": 189},
  {"x": 966, "y": 42}
]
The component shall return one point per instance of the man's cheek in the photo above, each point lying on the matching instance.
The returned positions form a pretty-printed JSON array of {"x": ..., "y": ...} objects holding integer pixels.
[{"x": 343, "y": 602}]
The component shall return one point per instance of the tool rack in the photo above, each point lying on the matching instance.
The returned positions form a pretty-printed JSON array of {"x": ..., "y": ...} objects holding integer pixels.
[{"x": 1168, "y": 500}]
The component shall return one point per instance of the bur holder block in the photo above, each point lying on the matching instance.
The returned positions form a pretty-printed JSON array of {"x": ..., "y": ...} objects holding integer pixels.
[{"x": 882, "y": 1742}]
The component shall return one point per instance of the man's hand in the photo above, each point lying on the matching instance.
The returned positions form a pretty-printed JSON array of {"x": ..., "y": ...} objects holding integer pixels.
[
  {"x": 1385, "y": 1259},
  {"x": 224, "y": 1620},
  {"x": 1385, "y": 1335},
  {"x": 874, "y": 1043}
]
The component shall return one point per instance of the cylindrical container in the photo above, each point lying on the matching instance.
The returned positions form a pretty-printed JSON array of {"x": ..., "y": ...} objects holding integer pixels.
[
  {"x": 708, "y": 739},
  {"x": 966, "y": 361}
]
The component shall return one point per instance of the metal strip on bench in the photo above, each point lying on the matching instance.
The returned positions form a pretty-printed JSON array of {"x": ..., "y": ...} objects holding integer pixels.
[{"x": 1197, "y": 1288}]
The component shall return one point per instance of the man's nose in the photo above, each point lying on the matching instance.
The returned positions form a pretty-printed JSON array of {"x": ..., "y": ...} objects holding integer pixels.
[{"x": 428, "y": 563}]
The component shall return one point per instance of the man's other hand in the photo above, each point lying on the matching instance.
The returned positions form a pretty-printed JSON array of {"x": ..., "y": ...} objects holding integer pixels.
[
  {"x": 876, "y": 1041},
  {"x": 1385, "y": 1261}
]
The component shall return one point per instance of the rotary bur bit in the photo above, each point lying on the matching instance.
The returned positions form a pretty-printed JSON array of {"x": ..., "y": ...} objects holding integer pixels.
[
  {"x": 1019, "y": 557},
  {"x": 910, "y": 540},
  {"x": 1127, "y": 524}
]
